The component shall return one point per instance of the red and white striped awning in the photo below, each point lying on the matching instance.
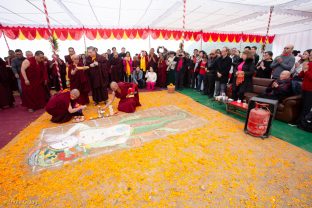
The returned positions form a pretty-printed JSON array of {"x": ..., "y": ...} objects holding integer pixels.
[{"x": 225, "y": 20}]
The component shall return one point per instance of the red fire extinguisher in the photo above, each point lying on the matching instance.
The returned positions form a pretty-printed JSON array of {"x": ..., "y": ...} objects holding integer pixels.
[{"x": 258, "y": 120}]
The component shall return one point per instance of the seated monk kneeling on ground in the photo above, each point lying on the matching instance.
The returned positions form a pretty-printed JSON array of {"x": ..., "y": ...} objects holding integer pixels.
[
  {"x": 63, "y": 107},
  {"x": 128, "y": 94}
]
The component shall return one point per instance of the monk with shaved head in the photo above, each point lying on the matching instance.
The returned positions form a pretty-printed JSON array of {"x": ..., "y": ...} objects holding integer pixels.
[
  {"x": 127, "y": 93},
  {"x": 63, "y": 107}
]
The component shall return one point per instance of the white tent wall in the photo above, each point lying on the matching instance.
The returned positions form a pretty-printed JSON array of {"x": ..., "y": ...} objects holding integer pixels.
[{"x": 301, "y": 40}]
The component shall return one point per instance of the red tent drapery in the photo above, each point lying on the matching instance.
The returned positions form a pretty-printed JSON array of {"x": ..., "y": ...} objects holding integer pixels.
[{"x": 31, "y": 33}]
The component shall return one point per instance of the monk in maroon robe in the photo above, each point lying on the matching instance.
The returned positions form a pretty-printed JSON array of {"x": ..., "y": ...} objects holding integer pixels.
[
  {"x": 33, "y": 81},
  {"x": 152, "y": 60},
  {"x": 6, "y": 93},
  {"x": 162, "y": 72},
  {"x": 68, "y": 60},
  {"x": 12, "y": 78},
  {"x": 54, "y": 75},
  {"x": 63, "y": 107},
  {"x": 79, "y": 80},
  {"x": 128, "y": 94},
  {"x": 46, "y": 64},
  {"x": 135, "y": 63},
  {"x": 98, "y": 75},
  {"x": 116, "y": 68}
]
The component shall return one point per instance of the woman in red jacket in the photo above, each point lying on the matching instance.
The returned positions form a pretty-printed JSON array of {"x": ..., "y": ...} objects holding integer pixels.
[{"x": 306, "y": 75}]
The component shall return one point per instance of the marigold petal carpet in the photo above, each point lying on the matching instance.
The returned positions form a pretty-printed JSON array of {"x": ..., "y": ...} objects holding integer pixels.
[{"x": 216, "y": 165}]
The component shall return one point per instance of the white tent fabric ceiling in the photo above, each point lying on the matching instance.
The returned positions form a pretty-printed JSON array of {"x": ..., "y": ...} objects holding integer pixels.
[{"x": 248, "y": 16}]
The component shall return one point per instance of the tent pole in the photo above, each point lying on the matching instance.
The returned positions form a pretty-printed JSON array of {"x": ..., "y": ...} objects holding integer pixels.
[
  {"x": 52, "y": 44},
  {"x": 201, "y": 40},
  {"x": 268, "y": 29},
  {"x": 240, "y": 43},
  {"x": 84, "y": 41},
  {"x": 6, "y": 41},
  {"x": 183, "y": 25},
  {"x": 149, "y": 39}
]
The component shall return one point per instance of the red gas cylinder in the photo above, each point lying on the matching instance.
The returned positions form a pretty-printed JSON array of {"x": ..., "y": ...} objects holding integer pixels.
[{"x": 258, "y": 120}]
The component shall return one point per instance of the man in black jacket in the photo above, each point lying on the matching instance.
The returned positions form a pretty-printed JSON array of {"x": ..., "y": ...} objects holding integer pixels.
[
  {"x": 235, "y": 58},
  {"x": 210, "y": 77},
  {"x": 254, "y": 51},
  {"x": 16, "y": 67},
  {"x": 224, "y": 64}
]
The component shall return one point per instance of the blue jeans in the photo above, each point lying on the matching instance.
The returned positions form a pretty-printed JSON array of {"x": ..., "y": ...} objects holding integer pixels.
[
  {"x": 19, "y": 85},
  {"x": 201, "y": 78}
]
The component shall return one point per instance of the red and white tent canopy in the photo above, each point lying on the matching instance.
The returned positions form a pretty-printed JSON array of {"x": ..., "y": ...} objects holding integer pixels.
[
  {"x": 221, "y": 16},
  {"x": 211, "y": 20}
]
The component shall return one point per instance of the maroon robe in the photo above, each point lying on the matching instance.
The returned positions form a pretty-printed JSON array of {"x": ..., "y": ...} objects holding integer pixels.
[
  {"x": 6, "y": 93},
  {"x": 68, "y": 59},
  {"x": 46, "y": 78},
  {"x": 80, "y": 82},
  {"x": 116, "y": 69},
  {"x": 34, "y": 95},
  {"x": 135, "y": 64},
  {"x": 12, "y": 78},
  {"x": 127, "y": 105},
  {"x": 151, "y": 62},
  {"x": 99, "y": 79},
  {"x": 58, "y": 106},
  {"x": 162, "y": 74},
  {"x": 54, "y": 76}
]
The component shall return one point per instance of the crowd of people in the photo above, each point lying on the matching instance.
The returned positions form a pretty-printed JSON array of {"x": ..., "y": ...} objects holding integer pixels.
[{"x": 34, "y": 76}]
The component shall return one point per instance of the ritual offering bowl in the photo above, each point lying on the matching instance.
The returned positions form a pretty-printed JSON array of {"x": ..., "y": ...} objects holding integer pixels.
[{"x": 171, "y": 88}]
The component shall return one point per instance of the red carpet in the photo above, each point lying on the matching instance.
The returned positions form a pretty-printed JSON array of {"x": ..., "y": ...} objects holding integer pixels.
[{"x": 13, "y": 120}]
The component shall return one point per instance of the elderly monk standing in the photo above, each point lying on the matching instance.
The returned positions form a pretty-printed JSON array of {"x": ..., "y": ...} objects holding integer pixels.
[
  {"x": 79, "y": 80},
  {"x": 33, "y": 82},
  {"x": 128, "y": 95},
  {"x": 116, "y": 68},
  {"x": 63, "y": 107},
  {"x": 98, "y": 74}
]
